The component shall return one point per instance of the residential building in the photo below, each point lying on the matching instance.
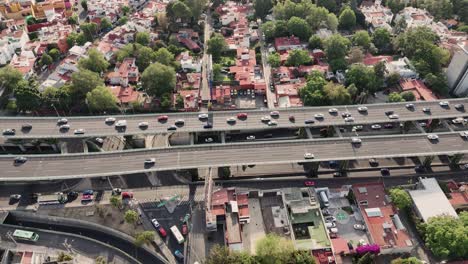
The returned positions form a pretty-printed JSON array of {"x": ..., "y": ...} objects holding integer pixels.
[
  {"x": 371, "y": 60},
  {"x": 188, "y": 62},
  {"x": 458, "y": 195},
  {"x": 383, "y": 223},
  {"x": 288, "y": 43},
  {"x": 457, "y": 71},
  {"x": 188, "y": 38},
  {"x": 124, "y": 73},
  {"x": 24, "y": 63},
  {"x": 429, "y": 200},
  {"x": 401, "y": 66},
  {"x": 11, "y": 41},
  {"x": 376, "y": 15},
  {"x": 126, "y": 96},
  {"x": 246, "y": 71},
  {"x": 418, "y": 88},
  {"x": 190, "y": 97},
  {"x": 55, "y": 34}
]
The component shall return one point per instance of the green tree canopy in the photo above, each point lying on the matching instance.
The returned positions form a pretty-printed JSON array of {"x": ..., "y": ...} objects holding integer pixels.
[
  {"x": 362, "y": 38},
  {"x": 55, "y": 54},
  {"x": 164, "y": 56},
  {"x": 274, "y": 59},
  {"x": 105, "y": 23},
  {"x": 312, "y": 93},
  {"x": 437, "y": 82},
  {"x": 262, "y": 8},
  {"x": 410, "y": 260},
  {"x": 328, "y": 4},
  {"x": 363, "y": 77},
  {"x": 101, "y": 99},
  {"x": 299, "y": 28},
  {"x": 125, "y": 10},
  {"x": 28, "y": 97},
  {"x": 298, "y": 57},
  {"x": 274, "y": 249},
  {"x": 84, "y": 82},
  {"x": 355, "y": 55},
  {"x": 144, "y": 237},
  {"x": 337, "y": 94},
  {"x": 347, "y": 18},
  {"x": 131, "y": 216},
  {"x": 317, "y": 17},
  {"x": 269, "y": 30},
  {"x": 84, "y": 5},
  {"x": 395, "y": 98},
  {"x": 116, "y": 201},
  {"x": 142, "y": 38},
  {"x": 158, "y": 79},
  {"x": 400, "y": 198},
  {"x": 315, "y": 42},
  {"x": 216, "y": 46},
  {"x": 179, "y": 10},
  {"x": 336, "y": 48},
  {"x": 382, "y": 39},
  {"x": 10, "y": 78},
  {"x": 95, "y": 62},
  {"x": 122, "y": 21},
  {"x": 332, "y": 22},
  {"x": 408, "y": 96},
  {"x": 46, "y": 59},
  {"x": 89, "y": 31},
  {"x": 220, "y": 254}
]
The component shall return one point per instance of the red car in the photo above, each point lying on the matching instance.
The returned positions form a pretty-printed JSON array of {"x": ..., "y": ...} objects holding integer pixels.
[
  {"x": 162, "y": 231},
  {"x": 242, "y": 115},
  {"x": 184, "y": 229},
  {"x": 162, "y": 118},
  {"x": 127, "y": 195},
  {"x": 309, "y": 183},
  {"x": 86, "y": 197}
]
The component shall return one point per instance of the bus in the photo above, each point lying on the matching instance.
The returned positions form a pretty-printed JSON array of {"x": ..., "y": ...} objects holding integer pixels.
[
  {"x": 47, "y": 199},
  {"x": 25, "y": 235},
  {"x": 175, "y": 231}
]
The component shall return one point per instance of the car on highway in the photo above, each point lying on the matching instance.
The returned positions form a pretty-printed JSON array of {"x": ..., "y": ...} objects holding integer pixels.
[
  {"x": 387, "y": 113},
  {"x": 16, "y": 197},
  {"x": 143, "y": 125},
  {"x": 426, "y": 110},
  {"x": 62, "y": 121},
  {"x": 265, "y": 119},
  {"x": 349, "y": 119},
  {"x": 362, "y": 109},
  {"x": 86, "y": 198},
  {"x": 116, "y": 191},
  {"x": 309, "y": 121},
  {"x": 308, "y": 155},
  {"x": 409, "y": 106},
  {"x": 373, "y": 162},
  {"x": 208, "y": 126},
  {"x": 26, "y": 127},
  {"x": 458, "y": 120},
  {"x": 242, "y": 115},
  {"x": 274, "y": 114},
  {"x": 162, "y": 231},
  {"x": 394, "y": 116},
  {"x": 121, "y": 124},
  {"x": 359, "y": 227},
  {"x": 388, "y": 125},
  {"x": 432, "y": 137},
  {"x": 162, "y": 118},
  {"x": 203, "y": 116},
  {"x": 319, "y": 116},
  {"x": 71, "y": 196},
  {"x": 333, "y": 111},
  {"x": 356, "y": 140},
  {"x": 251, "y": 137},
  {"x": 184, "y": 229},
  {"x": 444, "y": 104},
  {"x": 338, "y": 174},
  {"x": 460, "y": 107},
  {"x": 9, "y": 132},
  {"x": 376, "y": 127},
  {"x": 171, "y": 128},
  {"x": 150, "y": 161},
  {"x": 209, "y": 140},
  {"x": 20, "y": 160},
  {"x": 179, "y": 122},
  {"x": 345, "y": 114},
  {"x": 179, "y": 255},
  {"x": 64, "y": 128},
  {"x": 292, "y": 118},
  {"x": 109, "y": 120},
  {"x": 79, "y": 131},
  {"x": 309, "y": 183},
  {"x": 420, "y": 169},
  {"x": 127, "y": 195},
  {"x": 272, "y": 123},
  {"x": 357, "y": 128},
  {"x": 385, "y": 172},
  {"x": 231, "y": 120},
  {"x": 99, "y": 140},
  {"x": 464, "y": 134}
]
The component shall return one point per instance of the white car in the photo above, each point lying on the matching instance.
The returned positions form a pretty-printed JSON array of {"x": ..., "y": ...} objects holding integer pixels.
[
  {"x": 143, "y": 124},
  {"x": 231, "y": 120},
  {"x": 332, "y": 110},
  {"x": 309, "y": 155},
  {"x": 274, "y": 113},
  {"x": 202, "y": 116},
  {"x": 362, "y": 109},
  {"x": 464, "y": 134},
  {"x": 155, "y": 223},
  {"x": 272, "y": 123},
  {"x": 62, "y": 121},
  {"x": 208, "y": 140},
  {"x": 444, "y": 103},
  {"x": 251, "y": 137},
  {"x": 356, "y": 140},
  {"x": 410, "y": 106},
  {"x": 394, "y": 116},
  {"x": 330, "y": 218},
  {"x": 99, "y": 140},
  {"x": 433, "y": 137},
  {"x": 64, "y": 127},
  {"x": 150, "y": 161},
  {"x": 330, "y": 224},
  {"x": 458, "y": 120},
  {"x": 376, "y": 127},
  {"x": 265, "y": 119},
  {"x": 349, "y": 119},
  {"x": 359, "y": 227},
  {"x": 110, "y": 120},
  {"x": 121, "y": 123},
  {"x": 79, "y": 131},
  {"x": 426, "y": 110},
  {"x": 318, "y": 116}
]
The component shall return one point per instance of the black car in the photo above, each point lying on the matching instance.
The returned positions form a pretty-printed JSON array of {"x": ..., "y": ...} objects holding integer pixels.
[
  {"x": 20, "y": 160},
  {"x": 172, "y": 128},
  {"x": 208, "y": 125},
  {"x": 309, "y": 121},
  {"x": 9, "y": 132},
  {"x": 389, "y": 113},
  {"x": 460, "y": 107},
  {"x": 26, "y": 127},
  {"x": 71, "y": 196},
  {"x": 419, "y": 169},
  {"x": 385, "y": 172}
]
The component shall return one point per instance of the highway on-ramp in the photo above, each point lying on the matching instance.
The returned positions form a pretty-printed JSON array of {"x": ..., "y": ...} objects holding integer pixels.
[
  {"x": 46, "y": 127},
  {"x": 44, "y": 167}
]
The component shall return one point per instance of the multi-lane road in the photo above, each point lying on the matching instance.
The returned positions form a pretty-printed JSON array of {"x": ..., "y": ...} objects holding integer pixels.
[
  {"x": 95, "y": 126},
  {"x": 43, "y": 167}
]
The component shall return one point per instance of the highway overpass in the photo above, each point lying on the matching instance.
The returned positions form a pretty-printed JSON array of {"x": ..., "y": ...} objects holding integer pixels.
[
  {"x": 66, "y": 166},
  {"x": 46, "y": 127}
]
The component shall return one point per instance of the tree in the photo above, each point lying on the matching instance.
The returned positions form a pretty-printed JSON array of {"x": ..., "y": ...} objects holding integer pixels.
[
  {"x": 410, "y": 260},
  {"x": 367, "y": 258},
  {"x": 299, "y": 28},
  {"x": 410, "y": 41},
  {"x": 269, "y": 30},
  {"x": 95, "y": 62},
  {"x": 311, "y": 94},
  {"x": 332, "y": 22},
  {"x": 281, "y": 28},
  {"x": 179, "y": 101},
  {"x": 382, "y": 39},
  {"x": 196, "y": 7},
  {"x": 161, "y": 18},
  {"x": 379, "y": 69},
  {"x": 28, "y": 97},
  {"x": 363, "y": 77},
  {"x": 64, "y": 257},
  {"x": 46, "y": 59},
  {"x": 144, "y": 237},
  {"x": 55, "y": 54},
  {"x": 131, "y": 216},
  {"x": 395, "y": 98},
  {"x": 217, "y": 76},
  {"x": 89, "y": 30},
  {"x": 10, "y": 78},
  {"x": 158, "y": 79},
  {"x": 396, "y": 5},
  {"x": 274, "y": 60},
  {"x": 400, "y": 198},
  {"x": 393, "y": 79},
  {"x": 317, "y": 17},
  {"x": 84, "y": 5},
  {"x": 440, "y": 9},
  {"x": 315, "y": 42},
  {"x": 122, "y": 21},
  {"x": 347, "y": 19},
  {"x": 337, "y": 94},
  {"x": 437, "y": 82},
  {"x": 328, "y": 4},
  {"x": 101, "y": 99},
  {"x": 116, "y": 201},
  {"x": 408, "y": 96},
  {"x": 73, "y": 20},
  {"x": 180, "y": 10},
  {"x": 59, "y": 97},
  {"x": 298, "y": 57},
  {"x": 166, "y": 101},
  {"x": 216, "y": 46},
  {"x": 447, "y": 237},
  {"x": 105, "y": 23},
  {"x": 142, "y": 38},
  {"x": 355, "y": 55},
  {"x": 336, "y": 48},
  {"x": 164, "y": 56},
  {"x": 400, "y": 26},
  {"x": 362, "y": 38},
  {"x": 224, "y": 172},
  {"x": 125, "y": 10},
  {"x": 262, "y": 8},
  {"x": 84, "y": 81},
  {"x": 221, "y": 254},
  {"x": 144, "y": 57},
  {"x": 274, "y": 249}
]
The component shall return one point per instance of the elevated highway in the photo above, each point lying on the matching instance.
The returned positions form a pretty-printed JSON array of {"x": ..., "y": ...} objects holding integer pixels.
[
  {"x": 46, "y": 127},
  {"x": 48, "y": 167}
]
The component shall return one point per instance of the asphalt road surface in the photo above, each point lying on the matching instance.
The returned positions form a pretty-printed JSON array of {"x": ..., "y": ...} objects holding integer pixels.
[
  {"x": 95, "y": 126},
  {"x": 41, "y": 167}
]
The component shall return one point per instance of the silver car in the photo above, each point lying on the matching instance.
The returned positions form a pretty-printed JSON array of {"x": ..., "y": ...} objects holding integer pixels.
[{"x": 432, "y": 137}]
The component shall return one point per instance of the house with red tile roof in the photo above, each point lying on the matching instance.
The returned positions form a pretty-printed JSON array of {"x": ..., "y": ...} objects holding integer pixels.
[
  {"x": 190, "y": 98},
  {"x": 371, "y": 60},
  {"x": 288, "y": 43},
  {"x": 418, "y": 88},
  {"x": 24, "y": 63},
  {"x": 124, "y": 73},
  {"x": 188, "y": 38},
  {"x": 382, "y": 220},
  {"x": 222, "y": 95},
  {"x": 458, "y": 194},
  {"x": 127, "y": 95},
  {"x": 245, "y": 71},
  {"x": 376, "y": 15}
]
